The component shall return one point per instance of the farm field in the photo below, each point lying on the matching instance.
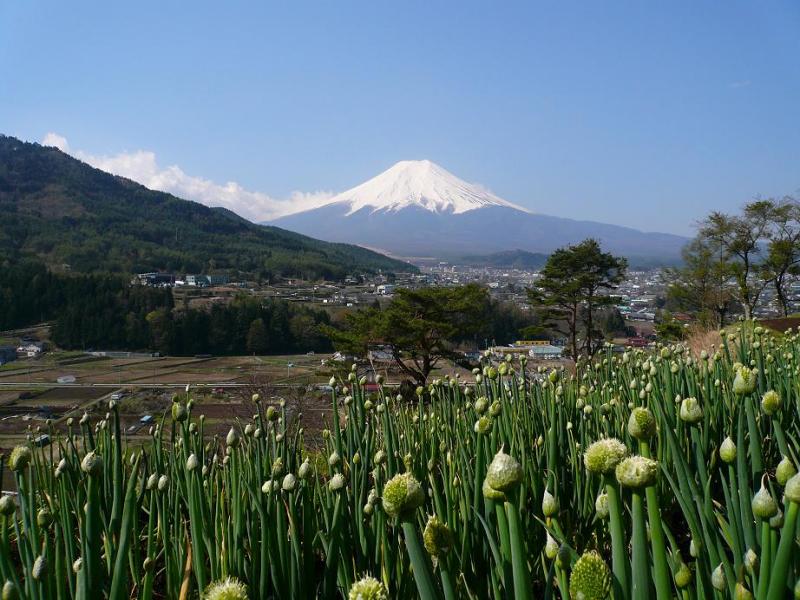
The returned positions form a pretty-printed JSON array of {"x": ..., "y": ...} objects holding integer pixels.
[{"x": 641, "y": 475}]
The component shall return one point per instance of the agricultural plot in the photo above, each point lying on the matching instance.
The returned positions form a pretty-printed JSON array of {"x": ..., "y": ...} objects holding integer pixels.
[{"x": 640, "y": 476}]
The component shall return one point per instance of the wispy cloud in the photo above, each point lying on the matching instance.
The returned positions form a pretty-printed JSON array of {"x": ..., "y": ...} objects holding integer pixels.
[
  {"x": 740, "y": 84},
  {"x": 142, "y": 166}
]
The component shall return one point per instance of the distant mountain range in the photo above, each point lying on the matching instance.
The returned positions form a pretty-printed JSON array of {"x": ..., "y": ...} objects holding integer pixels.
[
  {"x": 419, "y": 209},
  {"x": 61, "y": 211}
]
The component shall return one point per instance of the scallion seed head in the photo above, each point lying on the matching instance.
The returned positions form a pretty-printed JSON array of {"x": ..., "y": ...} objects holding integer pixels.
[
  {"x": 718, "y": 579},
  {"x": 763, "y": 504},
  {"x": 601, "y": 506},
  {"x": 590, "y": 578},
  {"x": 336, "y": 483},
  {"x": 785, "y": 470},
  {"x": 683, "y": 575},
  {"x": 691, "y": 411},
  {"x": 227, "y": 589},
  {"x": 745, "y": 381},
  {"x": 402, "y": 495},
  {"x": 39, "y": 568},
  {"x": 550, "y": 547},
  {"x": 604, "y": 455},
  {"x": 792, "y": 490},
  {"x": 437, "y": 537},
  {"x": 92, "y": 464},
  {"x": 549, "y": 504},
  {"x": 637, "y": 472},
  {"x": 192, "y": 463},
  {"x": 10, "y": 591},
  {"x": 44, "y": 518},
  {"x": 727, "y": 450},
  {"x": 289, "y": 483},
  {"x": 368, "y": 588},
  {"x": 504, "y": 472},
  {"x": 20, "y": 458},
  {"x": 642, "y": 424},
  {"x": 7, "y": 505},
  {"x": 771, "y": 402},
  {"x": 483, "y": 425}
]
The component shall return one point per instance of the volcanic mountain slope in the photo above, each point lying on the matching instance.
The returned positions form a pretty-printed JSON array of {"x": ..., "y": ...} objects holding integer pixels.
[
  {"x": 417, "y": 208},
  {"x": 60, "y": 211}
]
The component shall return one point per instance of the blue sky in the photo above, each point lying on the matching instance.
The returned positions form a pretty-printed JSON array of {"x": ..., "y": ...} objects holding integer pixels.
[{"x": 638, "y": 113}]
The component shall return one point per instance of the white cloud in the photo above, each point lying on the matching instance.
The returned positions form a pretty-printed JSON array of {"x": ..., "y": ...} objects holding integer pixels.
[
  {"x": 142, "y": 166},
  {"x": 57, "y": 141}
]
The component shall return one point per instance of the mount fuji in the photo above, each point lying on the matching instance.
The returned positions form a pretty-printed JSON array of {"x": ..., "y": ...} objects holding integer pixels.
[{"x": 418, "y": 209}]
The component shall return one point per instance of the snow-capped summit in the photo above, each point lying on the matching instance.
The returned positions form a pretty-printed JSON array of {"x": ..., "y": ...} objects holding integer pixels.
[
  {"x": 418, "y": 209},
  {"x": 419, "y": 183}
]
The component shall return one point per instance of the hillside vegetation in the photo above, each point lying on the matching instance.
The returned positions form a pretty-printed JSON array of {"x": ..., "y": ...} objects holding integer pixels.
[{"x": 61, "y": 211}]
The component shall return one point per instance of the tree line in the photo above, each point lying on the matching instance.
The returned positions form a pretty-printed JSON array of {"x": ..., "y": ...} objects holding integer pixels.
[
  {"x": 735, "y": 259},
  {"x": 104, "y": 312},
  {"x": 423, "y": 327}
]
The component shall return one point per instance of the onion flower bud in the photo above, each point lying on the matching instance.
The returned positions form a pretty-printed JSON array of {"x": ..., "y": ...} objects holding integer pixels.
[
  {"x": 402, "y": 495},
  {"x": 637, "y": 472},
  {"x": 690, "y": 411},
  {"x": 792, "y": 490},
  {"x": 750, "y": 561},
  {"x": 550, "y": 547},
  {"x": 785, "y": 470},
  {"x": 289, "y": 483},
  {"x": 227, "y": 589},
  {"x": 39, "y": 568},
  {"x": 179, "y": 412},
  {"x": 642, "y": 424},
  {"x": 232, "y": 438},
  {"x": 192, "y": 463},
  {"x": 368, "y": 588},
  {"x": 771, "y": 402},
  {"x": 92, "y": 464},
  {"x": 504, "y": 472},
  {"x": 601, "y": 506},
  {"x": 604, "y": 455},
  {"x": 437, "y": 537},
  {"x": 20, "y": 458},
  {"x": 43, "y": 518},
  {"x": 336, "y": 483},
  {"x": 483, "y": 425},
  {"x": 683, "y": 576},
  {"x": 10, "y": 591},
  {"x": 549, "y": 504},
  {"x": 7, "y": 505},
  {"x": 727, "y": 450},
  {"x": 763, "y": 504},
  {"x": 718, "y": 579},
  {"x": 590, "y": 578},
  {"x": 745, "y": 381}
]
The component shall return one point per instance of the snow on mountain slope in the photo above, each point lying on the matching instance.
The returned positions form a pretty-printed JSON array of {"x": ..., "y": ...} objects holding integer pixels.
[{"x": 418, "y": 183}]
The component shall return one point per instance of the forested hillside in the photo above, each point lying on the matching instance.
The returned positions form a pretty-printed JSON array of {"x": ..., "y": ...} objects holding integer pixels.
[{"x": 64, "y": 212}]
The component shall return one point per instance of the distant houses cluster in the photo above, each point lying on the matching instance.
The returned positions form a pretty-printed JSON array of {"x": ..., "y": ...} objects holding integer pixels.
[
  {"x": 172, "y": 280},
  {"x": 27, "y": 348}
]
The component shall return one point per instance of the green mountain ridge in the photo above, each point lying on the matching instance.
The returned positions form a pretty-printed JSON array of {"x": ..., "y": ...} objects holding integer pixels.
[
  {"x": 61, "y": 211},
  {"x": 514, "y": 259}
]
